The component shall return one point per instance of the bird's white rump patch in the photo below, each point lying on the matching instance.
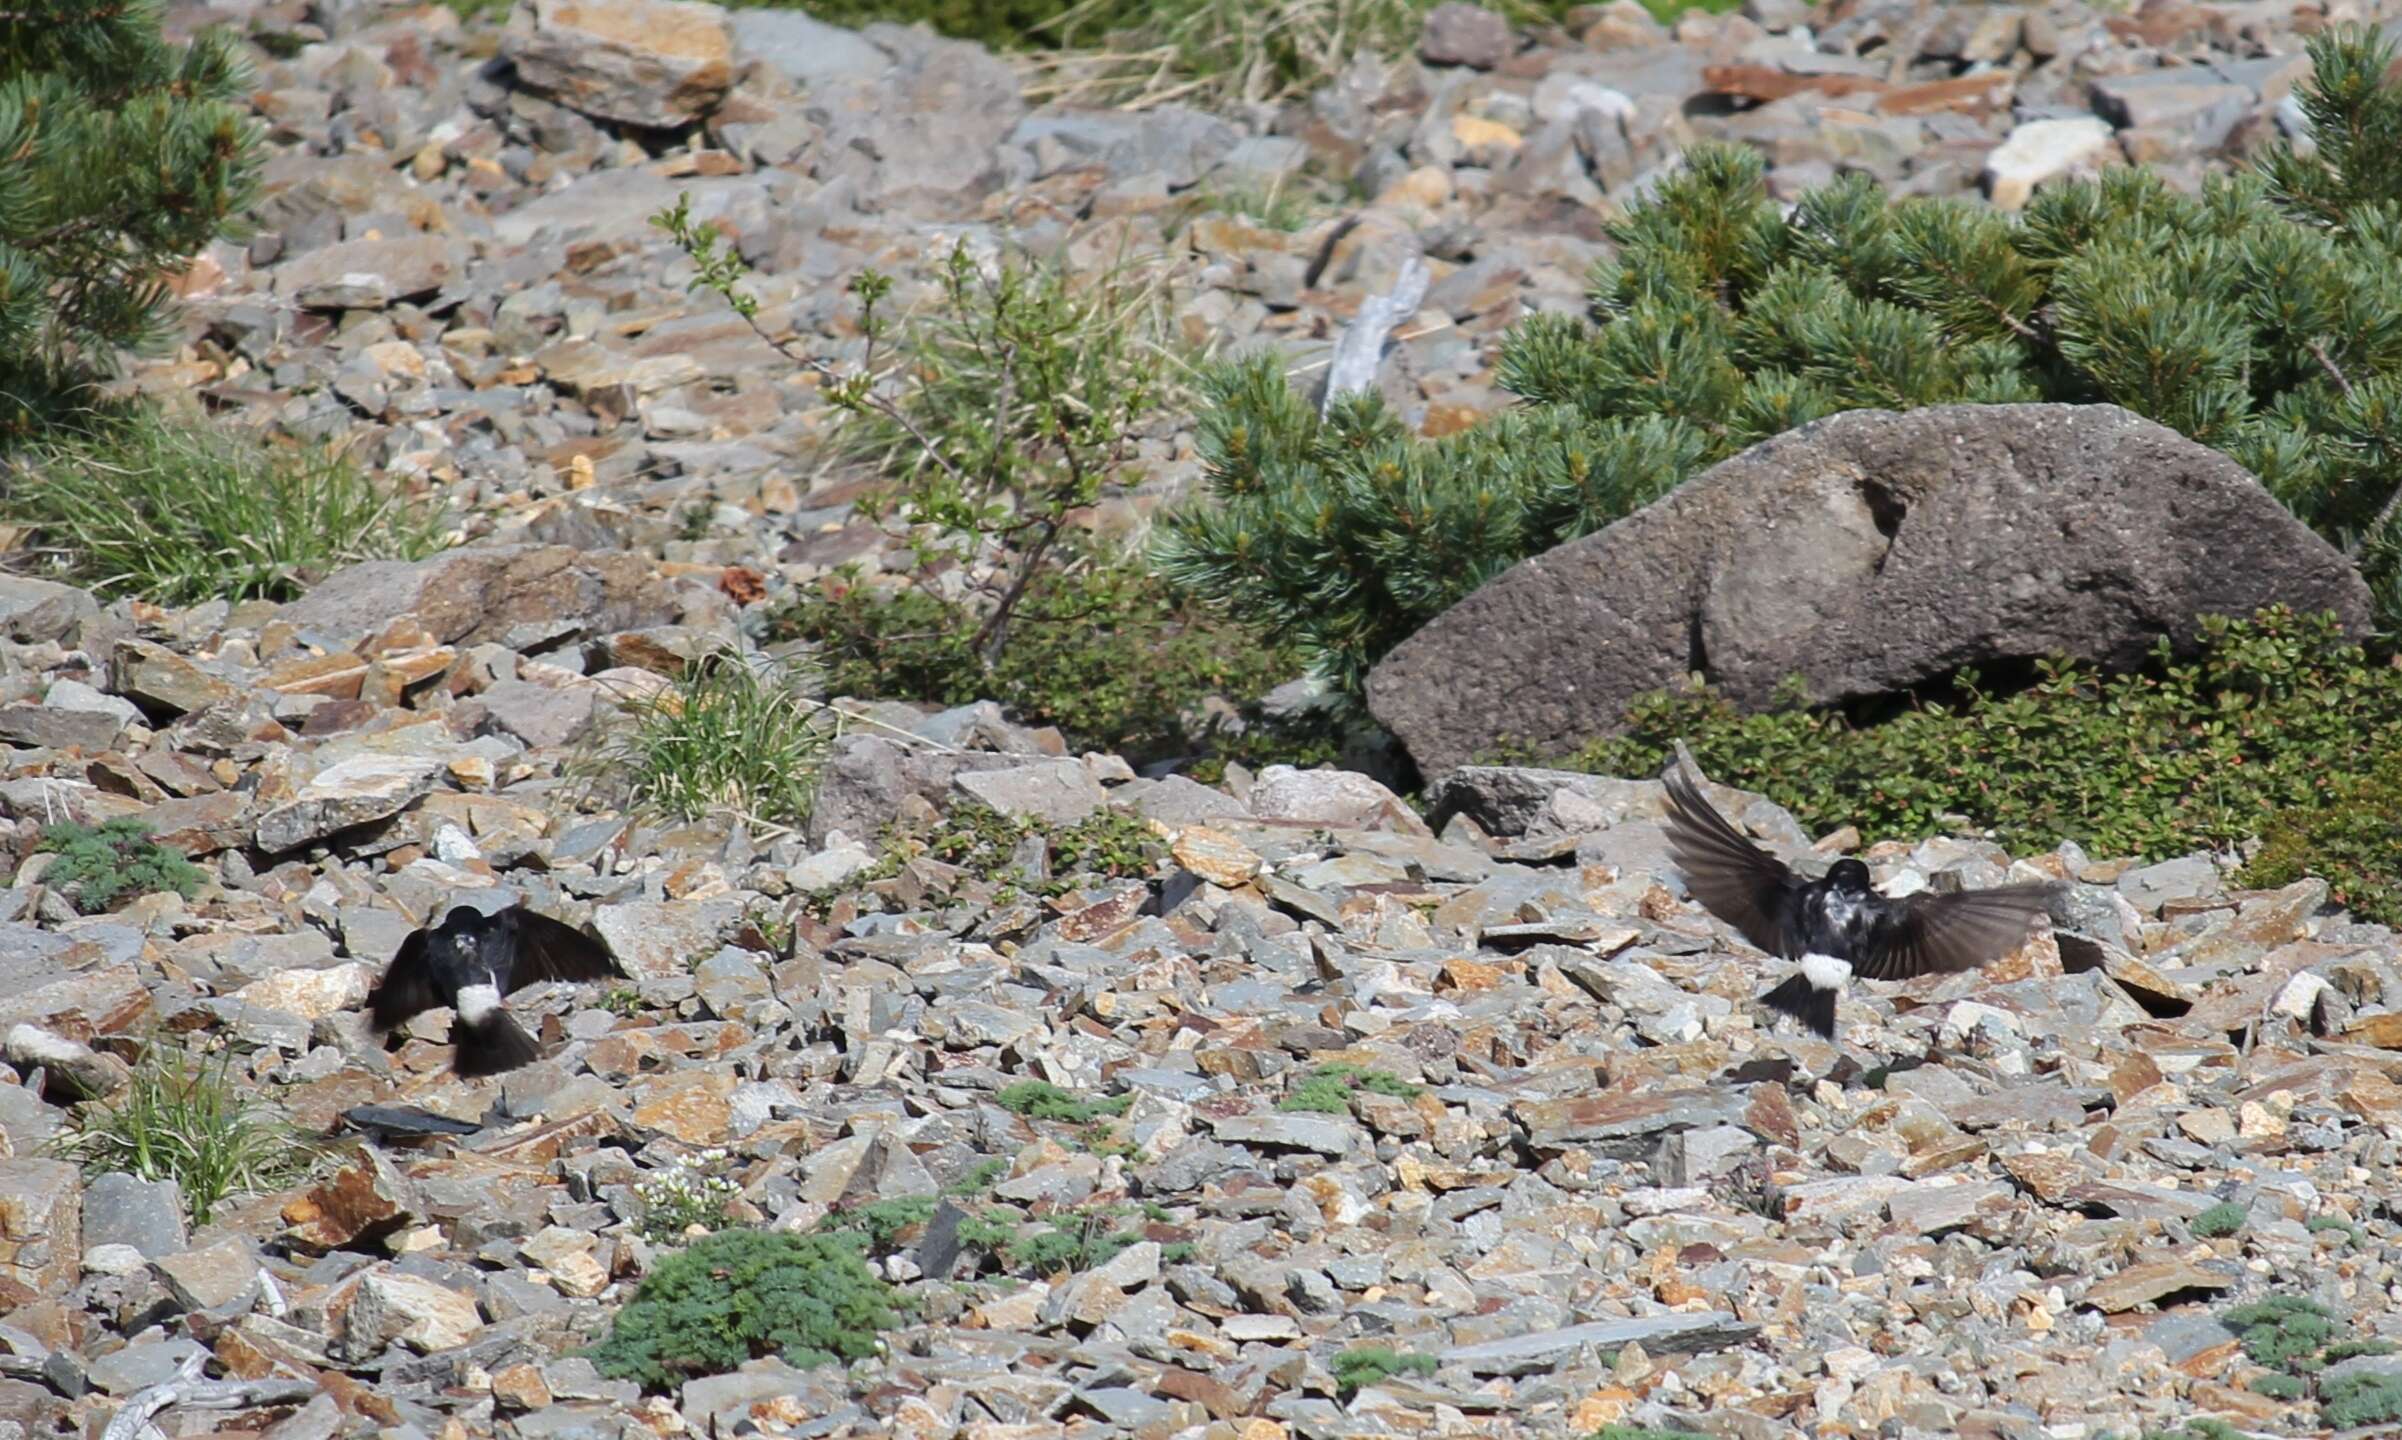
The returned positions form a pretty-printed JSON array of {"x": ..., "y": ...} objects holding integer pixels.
[
  {"x": 477, "y": 1002},
  {"x": 1824, "y": 972}
]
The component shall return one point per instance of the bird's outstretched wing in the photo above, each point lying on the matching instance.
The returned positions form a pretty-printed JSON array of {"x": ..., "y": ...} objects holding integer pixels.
[
  {"x": 1733, "y": 878},
  {"x": 548, "y": 949},
  {"x": 407, "y": 988},
  {"x": 1930, "y": 934}
]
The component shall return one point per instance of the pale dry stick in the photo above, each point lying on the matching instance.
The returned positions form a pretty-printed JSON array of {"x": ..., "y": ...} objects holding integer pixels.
[
  {"x": 1300, "y": 370},
  {"x": 132, "y": 1420}
]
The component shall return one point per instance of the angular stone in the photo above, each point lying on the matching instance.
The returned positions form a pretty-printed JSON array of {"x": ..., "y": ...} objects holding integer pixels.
[
  {"x": 1055, "y": 792},
  {"x": 1678, "y": 1334},
  {"x": 78, "y": 1007},
  {"x": 32, "y": 611},
  {"x": 658, "y": 63},
  {"x": 41, "y": 1223},
  {"x": 2040, "y": 150},
  {"x": 1623, "y": 1124},
  {"x": 542, "y": 716},
  {"x": 387, "y": 1307},
  {"x": 1869, "y": 553},
  {"x": 214, "y": 1278},
  {"x": 73, "y": 1070},
  {"x": 1215, "y": 856},
  {"x": 161, "y": 681},
  {"x": 1324, "y": 1134},
  {"x": 143, "y": 1215},
  {"x": 1338, "y": 799},
  {"x": 1460, "y": 34},
  {"x": 311, "y": 994},
  {"x": 357, "y": 791},
  {"x": 2152, "y": 1280},
  {"x": 483, "y": 593},
  {"x": 364, "y": 1200},
  {"x": 654, "y": 939},
  {"x": 368, "y": 274},
  {"x": 41, "y": 727}
]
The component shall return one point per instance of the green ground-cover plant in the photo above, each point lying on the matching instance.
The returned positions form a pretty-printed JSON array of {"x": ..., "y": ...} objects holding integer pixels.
[
  {"x": 101, "y": 866},
  {"x": 982, "y": 844},
  {"x": 1356, "y": 1370},
  {"x": 2257, "y": 317},
  {"x": 741, "y": 1294},
  {"x": 2275, "y": 724},
  {"x": 734, "y": 734},
  {"x": 2299, "y": 1340},
  {"x": 186, "y": 1119},
  {"x": 2220, "y": 1221},
  {"x": 180, "y": 511},
  {"x": 1329, "y": 1088},
  {"x": 125, "y": 155}
]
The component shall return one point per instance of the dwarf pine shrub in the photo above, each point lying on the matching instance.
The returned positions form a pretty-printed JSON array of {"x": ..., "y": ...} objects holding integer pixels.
[
  {"x": 2258, "y": 317},
  {"x": 126, "y": 154}
]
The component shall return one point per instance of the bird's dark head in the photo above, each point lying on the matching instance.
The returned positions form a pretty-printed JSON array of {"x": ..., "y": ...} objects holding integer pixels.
[
  {"x": 1849, "y": 877},
  {"x": 462, "y": 949}
]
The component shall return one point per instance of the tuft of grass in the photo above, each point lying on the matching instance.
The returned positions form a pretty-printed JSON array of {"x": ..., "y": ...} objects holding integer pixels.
[
  {"x": 2220, "y": 1221},
  {"x": 1356, "y": 1370},
  {"x": 181, "y": 512},
  {"x": 1328, "y": 1089},
  {"x": 101, "y": 866},
  {"x": 185, "y": 1120},
  {"x": 742, "y": 1294},
  {"x": 732, "y": 735},
  {"x": 2278, "y": 1386}
]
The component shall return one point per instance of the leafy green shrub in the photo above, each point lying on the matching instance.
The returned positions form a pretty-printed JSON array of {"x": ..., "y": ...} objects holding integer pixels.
[
  {"x": 126, "y": 154},
  {"x": 1374, "y": 1364},
  {"x": 1106, "y": 653},
  {"x": 2275, "y": 716},
  {"x": 101, "y": 866},
  {"x": 742, "y": 1294},
  {"x": 187, "y": 1120},
  {"x": 2346, "y": 839},
  {"x": 2282, "y": 1329},
  {"x": 180, "y": 512},
  {"x": 1007, "y": 409},
  {"x": 1328, "y": 1089},
  {"x": 733, "y": 735},
  {"x": 2220, "y": 1221},
  {"x": 2257, "y": 317}
]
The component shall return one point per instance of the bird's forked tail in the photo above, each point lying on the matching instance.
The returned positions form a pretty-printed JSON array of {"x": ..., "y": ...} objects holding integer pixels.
[{"x": 1805, "y": 1002}]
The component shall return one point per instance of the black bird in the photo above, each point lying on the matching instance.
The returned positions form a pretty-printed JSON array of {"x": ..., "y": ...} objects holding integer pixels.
[
  {"x": 1838, "y": 928},
  {"x": 471, "y": 962}
]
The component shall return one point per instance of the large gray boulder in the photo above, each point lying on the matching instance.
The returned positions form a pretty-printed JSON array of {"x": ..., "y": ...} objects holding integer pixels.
[{"x": 1867, "y": 553}]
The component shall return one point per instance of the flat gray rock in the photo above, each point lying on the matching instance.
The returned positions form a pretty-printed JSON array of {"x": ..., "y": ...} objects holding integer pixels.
[{"x": 1682, "y": 1334}]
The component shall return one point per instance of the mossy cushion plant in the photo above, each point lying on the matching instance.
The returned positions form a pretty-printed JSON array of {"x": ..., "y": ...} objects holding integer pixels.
[
  {"x": 102, "y": 866},
  {"x": 2277, "y": 727},
  {"x": 741, "y": 1294}
]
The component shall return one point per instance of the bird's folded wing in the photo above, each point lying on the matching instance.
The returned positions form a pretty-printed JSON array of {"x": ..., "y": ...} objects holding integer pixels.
[
  {"x": 1934, "y": 934},
  {"x": 407, "y": 988},
  {"x": 548, "y": 949},
  {"x": 1734, "y": 879}
]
